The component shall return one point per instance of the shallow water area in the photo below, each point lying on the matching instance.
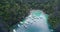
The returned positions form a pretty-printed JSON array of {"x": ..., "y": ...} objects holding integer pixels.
[{"x": 35, "y": 22}]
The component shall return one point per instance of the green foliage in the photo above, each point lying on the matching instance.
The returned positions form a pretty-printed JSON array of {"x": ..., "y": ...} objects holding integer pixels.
[{"x": 13, "y": 11}]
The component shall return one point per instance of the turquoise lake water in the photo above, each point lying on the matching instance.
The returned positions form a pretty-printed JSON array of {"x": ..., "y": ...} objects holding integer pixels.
[{"x": 35, "y": 22}]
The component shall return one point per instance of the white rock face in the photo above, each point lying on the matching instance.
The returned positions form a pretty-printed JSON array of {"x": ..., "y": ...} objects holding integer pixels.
[{"x": 35, "y": 22}]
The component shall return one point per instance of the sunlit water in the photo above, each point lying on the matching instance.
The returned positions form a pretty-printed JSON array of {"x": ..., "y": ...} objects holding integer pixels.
[{"x": 35, "y": 22}]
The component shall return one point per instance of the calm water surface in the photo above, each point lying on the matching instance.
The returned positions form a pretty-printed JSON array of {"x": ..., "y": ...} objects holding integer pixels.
[{"x": 35, "y": 22}]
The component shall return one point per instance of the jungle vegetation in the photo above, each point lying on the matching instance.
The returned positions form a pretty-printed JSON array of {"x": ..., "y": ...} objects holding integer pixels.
[{"x": 13, "y": 11}]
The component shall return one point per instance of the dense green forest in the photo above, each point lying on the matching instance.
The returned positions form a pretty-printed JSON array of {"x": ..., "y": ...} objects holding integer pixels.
[{"x": 13, "y": 11}]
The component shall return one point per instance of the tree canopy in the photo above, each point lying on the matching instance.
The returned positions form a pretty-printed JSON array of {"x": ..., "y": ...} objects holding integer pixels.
[{"x": 13, "y": 11}]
